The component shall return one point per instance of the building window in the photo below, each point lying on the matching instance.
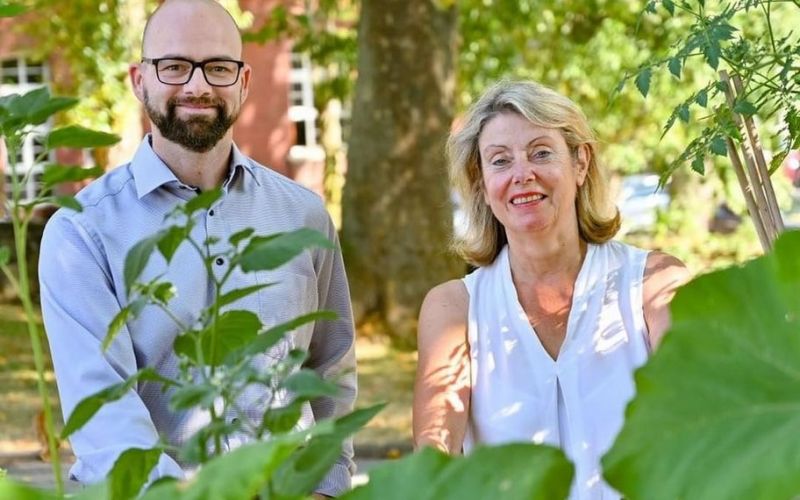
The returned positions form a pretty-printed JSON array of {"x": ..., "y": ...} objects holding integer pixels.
[
  {"x": 301, "y": 100},
  {"x": 18, "y": 76}
]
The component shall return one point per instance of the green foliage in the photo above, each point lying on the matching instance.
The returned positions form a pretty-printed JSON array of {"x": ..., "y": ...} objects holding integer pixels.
[
  {"x": 717, "y": 406},
  {"x": 754, "y": 40},
  {"x": 512, "y": 471},
  {"x": 131, "y": 471},
  {"x": 11, "y": 9},
  {"x": 87, "y": 408}
]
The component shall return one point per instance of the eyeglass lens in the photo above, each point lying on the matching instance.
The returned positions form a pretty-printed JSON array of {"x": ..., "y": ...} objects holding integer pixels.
[{"x": 179, "y": 72}]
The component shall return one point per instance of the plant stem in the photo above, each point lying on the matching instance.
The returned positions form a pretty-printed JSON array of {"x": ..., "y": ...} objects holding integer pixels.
[{"x": 20, "y": 240}]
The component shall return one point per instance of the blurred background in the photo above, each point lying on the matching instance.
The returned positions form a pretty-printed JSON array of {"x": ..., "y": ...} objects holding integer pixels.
[{"x": 355, "y": 99}]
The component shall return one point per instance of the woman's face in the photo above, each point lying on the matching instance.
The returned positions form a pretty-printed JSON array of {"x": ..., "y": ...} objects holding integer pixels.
[{"x": 530, "y": 177}]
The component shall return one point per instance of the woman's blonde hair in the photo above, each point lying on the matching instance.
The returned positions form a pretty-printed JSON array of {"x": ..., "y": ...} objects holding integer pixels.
[{"x": 484, "y": 237}]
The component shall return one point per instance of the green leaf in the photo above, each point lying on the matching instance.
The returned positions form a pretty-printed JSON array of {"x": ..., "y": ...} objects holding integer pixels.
[
  {"x": 702, "y": 98},
  {"x": 282, "y": 420},
  {"x": 68, "y": 202},
  {"x": 271, "y": 252},
  {"x": 269, "y": 338},
  {"x": 184, "y": 345},
  {"x": 712, "y": 52},
  {"x": 75, "y": 136},
  {"x": 306, "y": 384},
  {"x": 5, "y": 255},
  {"x": 240, "y": 293},
  {"x": 137, "y": 259},
  {"x": 86, "y": 409},
  {"x": 191, "y": 395},
  {"x": 11, "y": 489},
  {"x": 670, "y": 7},
  {"x": 719, "y": 146},
  {"x": 306, "y": 467},
  {"x": 718, "y": 405},
  {"x": 240, "y": 236},
  {"x": 171, "y": 239},
  {"x": 12, "y": 10},
  {"x": 643, "y": 81},
  {"x": 683, "y": 113},
  {"x": 699, "y": 164},
  {"x": 240, "y": 474},
  {"x": 674, "y": 66},
  {"x": 744, "y": 107},
  {"x": 56, "y": 174},
  {"x": 36, "y": 106},
  {"x": 235, "y": 329},
  {"x": 351, "y": 423},
  {"x": 202, "y": 201},
  {"x": 131, "y": 471},
  {"x": 125, "y": 314},
  {"x": 511, "y": 471}
]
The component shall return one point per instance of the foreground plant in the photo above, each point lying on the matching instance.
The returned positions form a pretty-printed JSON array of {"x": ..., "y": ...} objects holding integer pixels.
[{"x": 21, "y": 116}]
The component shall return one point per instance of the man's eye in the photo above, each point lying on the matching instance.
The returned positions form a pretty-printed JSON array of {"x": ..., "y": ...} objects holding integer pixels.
[
  {"x": 220, "y": 69},
  {"x": 172, "y": 67}
]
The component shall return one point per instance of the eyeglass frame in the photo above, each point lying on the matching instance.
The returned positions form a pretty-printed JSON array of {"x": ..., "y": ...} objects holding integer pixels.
[{"x": 195, "y": 64}]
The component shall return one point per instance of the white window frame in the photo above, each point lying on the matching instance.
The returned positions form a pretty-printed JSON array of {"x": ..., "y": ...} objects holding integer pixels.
[
  {"x": 301, "y": 101},
  {"x": 28, "y": 167}
]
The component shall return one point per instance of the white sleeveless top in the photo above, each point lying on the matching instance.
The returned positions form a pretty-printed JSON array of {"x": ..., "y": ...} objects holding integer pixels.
[{"x": 519, "y": 393}]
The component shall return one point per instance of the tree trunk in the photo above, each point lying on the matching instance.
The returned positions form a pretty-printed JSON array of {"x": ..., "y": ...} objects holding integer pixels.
[{"x": 396, "y": 207}]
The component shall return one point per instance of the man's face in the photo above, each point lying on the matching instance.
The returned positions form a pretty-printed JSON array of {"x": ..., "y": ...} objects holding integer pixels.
[{"x": 195, "y": 115}]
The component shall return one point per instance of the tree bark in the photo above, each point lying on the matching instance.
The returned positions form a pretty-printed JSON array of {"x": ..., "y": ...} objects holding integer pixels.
[{"x": 397, "y": 214}]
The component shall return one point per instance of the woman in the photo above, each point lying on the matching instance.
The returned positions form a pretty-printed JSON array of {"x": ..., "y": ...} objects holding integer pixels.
[{"x": 539, "y": 344}]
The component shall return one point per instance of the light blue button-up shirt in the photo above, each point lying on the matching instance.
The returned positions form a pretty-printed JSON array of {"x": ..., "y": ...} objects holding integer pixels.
[{"x": 82, "y": 288}]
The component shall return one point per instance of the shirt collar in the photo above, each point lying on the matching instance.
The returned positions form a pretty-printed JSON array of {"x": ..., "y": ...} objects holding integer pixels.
[{"x": 150, "y": 172}]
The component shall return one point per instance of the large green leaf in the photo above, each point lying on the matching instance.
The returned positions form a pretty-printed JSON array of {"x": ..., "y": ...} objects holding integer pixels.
[
  {"x": 717, "y": 410},
  {"x": 306, "y": 467},
  {"x": 21, "y": 491},
  {"x": 131, "y": 471},
  {"x": 307, "y": 384},
  {"x": 90, "y": 405},
  {"x": 75, "y": 136},
  {"x": 512, "y": 471},
  {"x": 271, "y": 252},
  {"x": 235, "y": 329},
  {"x": 237, "y": 475},
  {"x": 34, "y": 107}
]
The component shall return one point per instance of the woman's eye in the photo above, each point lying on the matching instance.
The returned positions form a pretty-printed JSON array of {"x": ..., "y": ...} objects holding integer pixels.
[
  {"x": 542, "y": 154},
  {"x": 499, "y": 162}
]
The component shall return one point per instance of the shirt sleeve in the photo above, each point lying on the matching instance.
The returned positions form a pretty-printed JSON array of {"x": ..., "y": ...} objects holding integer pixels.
[
  {"x": 332, "y": 355},
  {"x": 78, "y": 303}
]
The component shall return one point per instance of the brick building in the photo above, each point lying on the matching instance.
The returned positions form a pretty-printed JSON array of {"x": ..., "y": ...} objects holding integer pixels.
[{"x": 276, "y": 126}]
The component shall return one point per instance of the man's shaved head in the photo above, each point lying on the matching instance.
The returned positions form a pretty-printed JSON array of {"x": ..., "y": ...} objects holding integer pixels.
[{"x": 164, "y": 17}]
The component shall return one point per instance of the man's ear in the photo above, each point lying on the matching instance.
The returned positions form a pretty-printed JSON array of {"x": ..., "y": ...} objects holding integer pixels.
[
  {"x": 247, "y": 72},
  {"x": 583, "y": 158},
  {"x": 136, "y": 76}
]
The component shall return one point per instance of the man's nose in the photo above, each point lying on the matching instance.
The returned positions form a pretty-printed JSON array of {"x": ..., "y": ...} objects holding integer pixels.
[{"x": 197, "y": 84}]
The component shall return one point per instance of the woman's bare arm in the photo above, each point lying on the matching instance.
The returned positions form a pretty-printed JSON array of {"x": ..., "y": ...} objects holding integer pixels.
[
  {"x": 663, "y": 275},
  {"x": 442, "y": 388}
]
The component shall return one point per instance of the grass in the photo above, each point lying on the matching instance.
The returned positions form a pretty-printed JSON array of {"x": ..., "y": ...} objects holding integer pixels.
[{"x": 385, "y": 375}]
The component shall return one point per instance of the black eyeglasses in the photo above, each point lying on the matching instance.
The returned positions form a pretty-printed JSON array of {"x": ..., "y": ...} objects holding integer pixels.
[{"x": 178, "y": 71}]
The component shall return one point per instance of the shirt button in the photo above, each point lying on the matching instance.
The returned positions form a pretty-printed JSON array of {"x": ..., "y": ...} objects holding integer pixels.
[
  {"x": 211, "y": 212},
  {"x": 220, "y": 261}
]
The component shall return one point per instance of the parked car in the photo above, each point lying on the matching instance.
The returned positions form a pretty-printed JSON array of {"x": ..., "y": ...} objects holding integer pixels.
[{"x": 639, "y": 202}]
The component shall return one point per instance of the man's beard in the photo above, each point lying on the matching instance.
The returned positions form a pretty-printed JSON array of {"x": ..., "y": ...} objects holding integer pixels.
[{"x": 198, "y": 133}]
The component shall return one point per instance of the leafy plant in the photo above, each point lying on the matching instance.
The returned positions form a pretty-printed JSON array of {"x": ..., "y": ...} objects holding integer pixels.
[
  {"x": 20, "y": 117},
  {"x": 751, "y": 39}
]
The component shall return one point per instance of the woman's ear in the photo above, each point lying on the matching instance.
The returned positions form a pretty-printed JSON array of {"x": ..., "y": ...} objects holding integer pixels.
[{"x": 583, "y": 158}]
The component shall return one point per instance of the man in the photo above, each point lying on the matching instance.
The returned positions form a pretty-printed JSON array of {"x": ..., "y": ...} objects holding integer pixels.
[{"x": 192, "y": 84}]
